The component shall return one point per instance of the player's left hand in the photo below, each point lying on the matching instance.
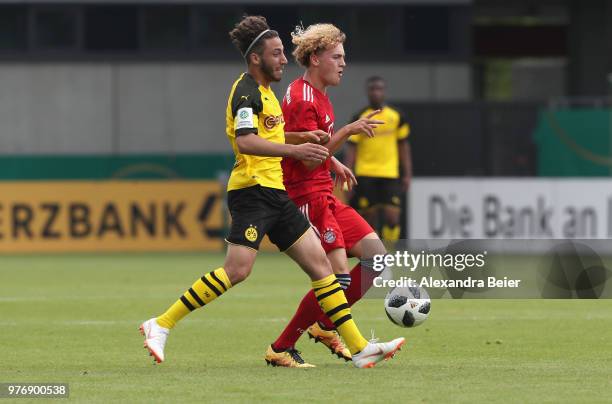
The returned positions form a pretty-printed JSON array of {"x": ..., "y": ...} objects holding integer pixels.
[
  {"x": 344, "y": 176},
  {"x": 365, "y": 125}
]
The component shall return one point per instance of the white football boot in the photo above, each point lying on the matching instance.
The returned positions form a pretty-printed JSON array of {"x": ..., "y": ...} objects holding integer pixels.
[
  {"x": 375, "y": 352},
  {"x": 155, "y": 338}
]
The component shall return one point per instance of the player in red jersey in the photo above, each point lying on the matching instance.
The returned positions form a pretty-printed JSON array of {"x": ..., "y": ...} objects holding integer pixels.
[{"x": 308, "y": 113}]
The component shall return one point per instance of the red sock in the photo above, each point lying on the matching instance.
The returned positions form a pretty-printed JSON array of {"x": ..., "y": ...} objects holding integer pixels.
[
  {"x": 309, "y": 310},
  {"x": 307, "y": 313},
  {"x": 361, "y": 281}
]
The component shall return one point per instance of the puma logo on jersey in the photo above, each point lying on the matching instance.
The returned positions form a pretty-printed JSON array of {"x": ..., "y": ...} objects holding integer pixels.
[
  {"x": 246, "y": 97},
  {"x": 326, "y": 118}
]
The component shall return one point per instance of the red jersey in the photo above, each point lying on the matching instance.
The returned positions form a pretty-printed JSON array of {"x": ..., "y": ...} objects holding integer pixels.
[{"x": 304, "y": 109}]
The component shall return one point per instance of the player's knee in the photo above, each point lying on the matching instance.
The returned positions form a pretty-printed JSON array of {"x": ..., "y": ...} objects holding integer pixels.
[
  {"x": 321, "y": 264},
  {"x": 339, "y": 266},
  {"x": 238, "y": 272},
  {"x": 368, "y": 247},
  {"x": 378, "y": 247},
  {"x": 378, "y": 251},
  {"x": 322, "y": 261}
]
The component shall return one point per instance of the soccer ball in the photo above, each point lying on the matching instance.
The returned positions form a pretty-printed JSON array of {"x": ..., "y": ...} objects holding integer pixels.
[{"x": 407, "y": 306}]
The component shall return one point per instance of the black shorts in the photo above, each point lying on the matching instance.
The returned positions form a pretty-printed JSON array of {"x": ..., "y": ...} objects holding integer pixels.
[
  {"x": 372, "y": 191},
  {"x": 257, "y": 211}
]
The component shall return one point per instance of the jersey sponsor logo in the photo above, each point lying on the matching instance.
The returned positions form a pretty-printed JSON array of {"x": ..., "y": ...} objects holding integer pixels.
[
  {"x": 251, "y": 233},
  {"x": 271, "y": 121},
  {"x": 329, "y": 236},
  {"x": 244, "y": 119}
]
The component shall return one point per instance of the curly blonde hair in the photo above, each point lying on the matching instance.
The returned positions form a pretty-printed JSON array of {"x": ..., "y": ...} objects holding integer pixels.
[{"x": 315, "y": 38}]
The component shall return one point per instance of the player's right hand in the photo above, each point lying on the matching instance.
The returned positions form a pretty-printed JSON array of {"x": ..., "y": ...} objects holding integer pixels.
[
  {"x": 322, "y": 136},
  {"x": 365, "y": 125},
  {"x": 315, "y": 136},
  {"x": 310, "y": 152}
]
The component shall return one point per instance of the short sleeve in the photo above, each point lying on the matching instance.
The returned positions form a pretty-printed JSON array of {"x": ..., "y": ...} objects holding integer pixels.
[
  {"x": 246, "y": 107},
  {"x": 403, "y": 128}
]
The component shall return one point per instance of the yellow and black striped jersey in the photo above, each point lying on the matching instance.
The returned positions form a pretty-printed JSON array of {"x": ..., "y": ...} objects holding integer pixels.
[
  {"x": 252, "y": 108},
  {"x": 379, "y": 156}
]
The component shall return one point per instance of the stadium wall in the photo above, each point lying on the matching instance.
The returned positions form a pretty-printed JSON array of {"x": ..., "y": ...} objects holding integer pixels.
[{"x": 168, "y": 108}]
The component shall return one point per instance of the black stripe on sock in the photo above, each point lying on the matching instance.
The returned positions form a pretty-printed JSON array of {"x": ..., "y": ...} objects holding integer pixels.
[
  {"x": 196, "y": 297},
  {"x": 211, "y": 286},
  {"x": 187, "y": 304},
  {"x": 337, "y": 309},
  {"x": 212, "y": 274},
  {"x": 326, "y": 286},
  {"x": 331, "y": 292},
  {"x": 341, "y": 320},
  {"x": 345, "y": 283}
]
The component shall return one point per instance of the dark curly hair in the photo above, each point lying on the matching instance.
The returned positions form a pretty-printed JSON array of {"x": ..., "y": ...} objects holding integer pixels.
[{"x": 247, "y": 30}]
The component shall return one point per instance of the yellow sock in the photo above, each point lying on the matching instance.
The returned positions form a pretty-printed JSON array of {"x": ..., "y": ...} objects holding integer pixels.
[
  {"x": 203, "y": 291},
  {"x": 331, "y": 297},
  {"x": 391, "y": 233}
]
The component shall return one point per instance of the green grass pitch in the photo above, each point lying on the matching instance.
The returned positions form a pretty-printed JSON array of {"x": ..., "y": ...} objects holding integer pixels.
[{"x": 74, "y": 319}]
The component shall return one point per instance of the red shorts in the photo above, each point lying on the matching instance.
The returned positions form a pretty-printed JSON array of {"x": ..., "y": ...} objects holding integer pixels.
[{"x": 337, "y": 225}]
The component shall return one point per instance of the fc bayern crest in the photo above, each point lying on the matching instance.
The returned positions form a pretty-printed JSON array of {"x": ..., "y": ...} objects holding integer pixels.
[{"x": 329, "y": 236}]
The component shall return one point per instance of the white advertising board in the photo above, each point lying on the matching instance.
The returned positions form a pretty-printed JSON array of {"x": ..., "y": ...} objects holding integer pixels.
[{"x": 510, "y": 208}]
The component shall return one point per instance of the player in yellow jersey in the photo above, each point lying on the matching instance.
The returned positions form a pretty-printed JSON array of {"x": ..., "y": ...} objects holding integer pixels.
[
  {"x": 259, "y": 205},
  {"x": 376, "y": 162}
]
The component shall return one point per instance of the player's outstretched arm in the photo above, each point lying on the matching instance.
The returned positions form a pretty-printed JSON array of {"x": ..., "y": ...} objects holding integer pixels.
[
  {"x": 254, "y": 145},
  {"x": 364, "y": 125}
]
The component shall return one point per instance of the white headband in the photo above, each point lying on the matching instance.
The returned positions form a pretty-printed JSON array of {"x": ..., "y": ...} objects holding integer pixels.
[{"x": 254, "y": 41}]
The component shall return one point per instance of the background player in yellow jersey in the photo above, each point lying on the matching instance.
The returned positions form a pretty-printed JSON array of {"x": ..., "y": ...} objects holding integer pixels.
[
  {"x": 376, "y": 162},
  {"x": 259, "y": 205}
]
